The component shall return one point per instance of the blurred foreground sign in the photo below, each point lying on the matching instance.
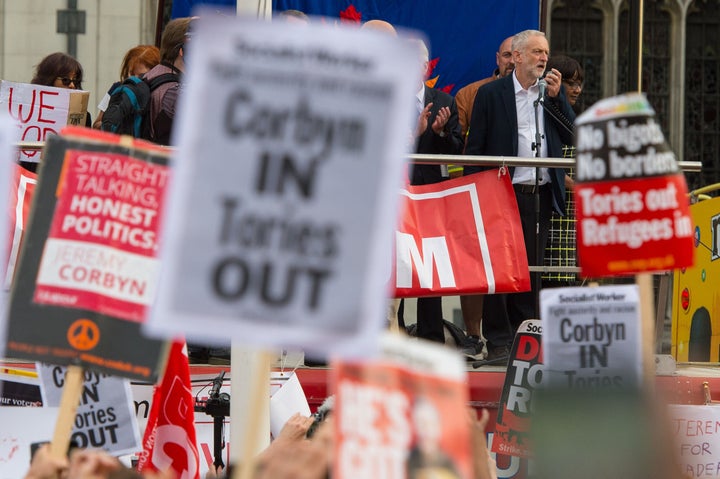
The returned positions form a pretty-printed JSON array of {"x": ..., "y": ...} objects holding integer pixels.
[
  {"x": 291, "y": 147},
  {"x": 632, "y": 206}
]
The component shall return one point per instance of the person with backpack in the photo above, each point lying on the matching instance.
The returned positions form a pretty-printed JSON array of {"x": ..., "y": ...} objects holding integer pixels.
[
  {"x": 137, "y": 61},
  {"x": 163, "y": 99},
  {"x": 145, "y": 107}
]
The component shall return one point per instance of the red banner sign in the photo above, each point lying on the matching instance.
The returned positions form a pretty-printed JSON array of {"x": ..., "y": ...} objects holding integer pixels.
[
  {"x": 631, "y": 199},
  {"x": 461, "y": 236},
  {"x": 100, "y": 254}
]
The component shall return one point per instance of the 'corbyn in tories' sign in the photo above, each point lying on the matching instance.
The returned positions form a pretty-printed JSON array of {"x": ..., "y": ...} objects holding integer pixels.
[{"x": 632, "y": 207}]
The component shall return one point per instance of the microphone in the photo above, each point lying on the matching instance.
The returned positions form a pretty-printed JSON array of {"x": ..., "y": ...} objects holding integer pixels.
[
  {"x": 217, "y": 384},
  {"x": 542, "y": 86}
]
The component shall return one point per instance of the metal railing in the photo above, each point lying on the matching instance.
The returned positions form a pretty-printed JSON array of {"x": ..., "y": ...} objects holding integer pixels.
[{"x": 688, "y": 166}]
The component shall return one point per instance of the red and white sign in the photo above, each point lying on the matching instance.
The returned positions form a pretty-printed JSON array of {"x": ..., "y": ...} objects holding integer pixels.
[
  {"x": 40, "y": 111},
  {"x": 394, "y": 419},
  {"x": 631, "y": 199},
  {"x": 101, "y": 251},
  {"x": 459, "y": 237},
  {"x": 21, "y": 193}
]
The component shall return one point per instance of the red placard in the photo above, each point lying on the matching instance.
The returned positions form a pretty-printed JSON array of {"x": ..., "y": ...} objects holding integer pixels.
[
  {"x": 461, "y": 236},
  {"x": 631, "y": 199},
  {"x": 633, "y": 226},
  {"x": 395, "y": 423},
  {"x": 101, "y": 251}
]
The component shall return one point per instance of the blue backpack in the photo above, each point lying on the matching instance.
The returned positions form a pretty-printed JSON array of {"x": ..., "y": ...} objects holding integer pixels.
[{"x": 129, "y": 108}]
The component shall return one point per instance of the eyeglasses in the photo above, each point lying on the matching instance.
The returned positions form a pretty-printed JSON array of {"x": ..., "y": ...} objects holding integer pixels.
[
  {"x": 575, "y": 85},
  {"x": 67, "y": 81}
]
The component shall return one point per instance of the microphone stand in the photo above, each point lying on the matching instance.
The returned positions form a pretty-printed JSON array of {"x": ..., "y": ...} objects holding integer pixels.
[{"x": 537, "y": 147}]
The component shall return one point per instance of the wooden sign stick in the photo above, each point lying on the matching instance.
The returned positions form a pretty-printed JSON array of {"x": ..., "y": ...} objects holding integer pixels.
[
  {"x": 66, "y": 414},
  {"x": 258, "y": 398}
]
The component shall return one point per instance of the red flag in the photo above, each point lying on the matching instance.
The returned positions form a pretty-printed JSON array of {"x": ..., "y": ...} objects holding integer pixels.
[
  {"x": 21, "y": 193},
  {"x": 461, "y": 236},
  {"x": 169, "y": 441}
]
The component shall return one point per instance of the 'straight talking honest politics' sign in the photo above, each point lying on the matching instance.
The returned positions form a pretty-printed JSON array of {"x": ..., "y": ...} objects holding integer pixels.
[{"x": 291, "y": 148}]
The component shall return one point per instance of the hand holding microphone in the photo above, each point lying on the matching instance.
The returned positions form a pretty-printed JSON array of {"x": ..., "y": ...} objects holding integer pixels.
[{"x": 552, "y": 81}]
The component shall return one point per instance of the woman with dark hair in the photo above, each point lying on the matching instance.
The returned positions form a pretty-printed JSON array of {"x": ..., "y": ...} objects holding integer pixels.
[
  {"x": 59, "y": 70},
  {"x": 573, "y": 76}
]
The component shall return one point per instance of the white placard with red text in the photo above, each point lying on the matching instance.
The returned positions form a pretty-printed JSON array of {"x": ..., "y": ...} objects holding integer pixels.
[
  {"x": 39, "y": 111},
  {"x": 21, "y": 427},
  {"x": 696, "y": 434},
  {"x": 284, "y": 238}
]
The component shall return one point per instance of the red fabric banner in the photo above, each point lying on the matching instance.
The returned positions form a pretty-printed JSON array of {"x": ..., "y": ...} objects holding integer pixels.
[
  {"x": 461, "y": 236},
  {"x": 19, "y": 204},
  {"x": 169, "y": 440}
]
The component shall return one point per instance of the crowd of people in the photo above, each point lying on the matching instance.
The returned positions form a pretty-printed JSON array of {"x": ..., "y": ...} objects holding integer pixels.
[
  {"x": 493, "y": 116},
  {"x": 304, "y": 449}
]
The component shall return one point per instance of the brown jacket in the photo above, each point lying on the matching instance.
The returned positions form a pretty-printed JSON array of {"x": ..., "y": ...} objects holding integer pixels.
[{"x": 465, "y": 98}]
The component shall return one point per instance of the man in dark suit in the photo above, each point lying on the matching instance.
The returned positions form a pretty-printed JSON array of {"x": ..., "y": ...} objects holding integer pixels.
[
  {"x": 503, "y": 124},
  {"x": 437, "y": 132}
]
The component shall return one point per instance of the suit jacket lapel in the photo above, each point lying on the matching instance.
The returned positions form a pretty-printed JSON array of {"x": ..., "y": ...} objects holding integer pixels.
[{"x": 508, "y": 100}]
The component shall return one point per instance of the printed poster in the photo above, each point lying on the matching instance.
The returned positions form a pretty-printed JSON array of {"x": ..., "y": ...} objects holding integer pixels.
[
  {"x": 631, "y": 197},
  {"x": 524, "y": 376},
  {"x": 402, "y": 416},
  {"x": 88, "y": 271},
  {"x": 591, "y": 337},
  {"x": 285, "y": 237},
  {"x": 105, "y": 418}
]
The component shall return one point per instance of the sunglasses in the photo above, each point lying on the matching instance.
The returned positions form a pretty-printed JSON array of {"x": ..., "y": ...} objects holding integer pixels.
[{"x": 67, "y": 81}]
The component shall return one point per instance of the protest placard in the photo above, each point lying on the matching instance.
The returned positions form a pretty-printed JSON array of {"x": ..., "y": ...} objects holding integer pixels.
[
  {"x": 8, "y": 136},
  {"x": 696, "y": 434},
  {"x": 591, "y": 337},
  {"x": 19, "y": 387},
  {"x": 696, "y": 296},
  {"x": 450, "y": 242},
  {"x": 404, "y": 415},
  {"x": 40, "y": 111},
  {"x": 284, "y": 237},
  {"x": 105, "y": 418},
  {"x": 524, "y": 375},
  {"x": 21, "y": 427},
  {"x": 88, "y": 271},
  {"x": 631, "y": 198}
]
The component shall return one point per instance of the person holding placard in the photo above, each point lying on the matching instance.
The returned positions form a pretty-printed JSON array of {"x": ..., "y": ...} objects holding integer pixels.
[{"x": 58, "y": 70}]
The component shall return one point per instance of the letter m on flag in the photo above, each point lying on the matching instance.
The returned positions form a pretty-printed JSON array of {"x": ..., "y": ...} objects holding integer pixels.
[{"x": 434, "y": 253}]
